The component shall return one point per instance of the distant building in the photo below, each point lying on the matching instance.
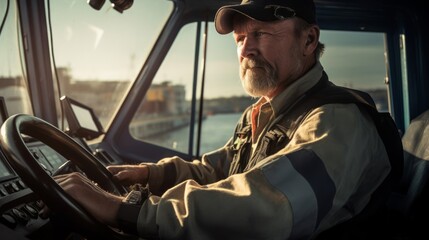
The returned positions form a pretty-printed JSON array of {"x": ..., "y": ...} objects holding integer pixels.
[
  {"x": 165, "y": 99},
  {"x": 163, "y": 109}
]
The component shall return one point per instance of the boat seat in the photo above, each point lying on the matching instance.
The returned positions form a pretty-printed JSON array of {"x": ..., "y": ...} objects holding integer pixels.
[
  {"x": 409, "y": 203},
  {"x": 372, "y": 221}
]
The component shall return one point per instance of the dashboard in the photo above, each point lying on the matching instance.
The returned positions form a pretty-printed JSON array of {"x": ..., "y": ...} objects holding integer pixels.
[{"x": 19, "y": 206}]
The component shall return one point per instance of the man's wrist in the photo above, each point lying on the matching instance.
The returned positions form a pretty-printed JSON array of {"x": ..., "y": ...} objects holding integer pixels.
[{"x": 129, "y": 209}]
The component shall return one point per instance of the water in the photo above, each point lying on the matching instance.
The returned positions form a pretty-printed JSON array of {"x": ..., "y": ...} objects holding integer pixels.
[{"x": 216, "y": 130}]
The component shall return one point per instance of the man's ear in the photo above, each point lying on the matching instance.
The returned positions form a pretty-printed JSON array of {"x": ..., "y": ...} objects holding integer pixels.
[{"x": 312, "y": 39}]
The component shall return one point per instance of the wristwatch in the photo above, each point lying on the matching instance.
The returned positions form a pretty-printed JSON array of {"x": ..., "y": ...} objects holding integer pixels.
[
  {"x": 129, "y": 210},
  {"x": 138, "y": 193},
  {"x": 133, "y": 197}
]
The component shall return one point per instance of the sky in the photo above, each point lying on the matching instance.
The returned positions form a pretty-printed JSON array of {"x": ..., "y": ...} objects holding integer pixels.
[{"x": 107, "y": 45}]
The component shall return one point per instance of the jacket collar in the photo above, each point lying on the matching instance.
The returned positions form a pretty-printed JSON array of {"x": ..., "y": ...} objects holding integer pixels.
[{"x": 296, "y": 89}]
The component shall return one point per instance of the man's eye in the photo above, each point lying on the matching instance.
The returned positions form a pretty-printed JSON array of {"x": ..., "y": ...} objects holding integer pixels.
[{"x": 259, "y": 34}]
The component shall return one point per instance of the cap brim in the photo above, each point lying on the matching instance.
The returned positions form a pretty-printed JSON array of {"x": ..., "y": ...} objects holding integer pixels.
[{"x": 224, "y": 16}]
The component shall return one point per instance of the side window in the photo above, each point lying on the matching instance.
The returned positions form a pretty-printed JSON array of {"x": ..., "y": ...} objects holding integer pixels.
[
  {"x": 357, "y": 60},
  {"x": 224, "y": 97},
  {"x": 163, "y": 117}
]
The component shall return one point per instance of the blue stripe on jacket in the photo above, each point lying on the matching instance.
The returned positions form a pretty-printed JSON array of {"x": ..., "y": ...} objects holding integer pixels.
[{"x": 302, "y": 177}]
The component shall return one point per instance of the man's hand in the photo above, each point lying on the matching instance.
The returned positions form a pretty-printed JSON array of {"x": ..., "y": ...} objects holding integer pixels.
[
  {"x": 130, "y": 174},
  {"x": 99, "y": 203}
]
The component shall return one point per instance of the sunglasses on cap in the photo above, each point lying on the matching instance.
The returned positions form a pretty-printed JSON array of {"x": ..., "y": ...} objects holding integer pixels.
[{"x": 281, "y": 12}]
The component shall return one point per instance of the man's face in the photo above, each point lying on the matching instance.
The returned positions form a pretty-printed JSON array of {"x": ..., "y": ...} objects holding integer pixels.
[{"x": 270, "y": 55}]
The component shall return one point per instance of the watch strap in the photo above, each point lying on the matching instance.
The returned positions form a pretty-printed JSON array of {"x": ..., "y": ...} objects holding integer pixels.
[{"x": 127, "y": 217}]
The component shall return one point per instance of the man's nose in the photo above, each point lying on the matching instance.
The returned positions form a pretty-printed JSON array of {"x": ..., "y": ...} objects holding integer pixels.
[{"x": 248, "y": 48}]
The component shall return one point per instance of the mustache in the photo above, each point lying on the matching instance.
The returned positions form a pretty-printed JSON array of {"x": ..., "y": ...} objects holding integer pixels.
[{"x": 254, "y": 63}]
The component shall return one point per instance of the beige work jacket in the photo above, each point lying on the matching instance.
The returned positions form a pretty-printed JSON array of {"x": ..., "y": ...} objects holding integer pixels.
[{"x": 325, "y": 175}]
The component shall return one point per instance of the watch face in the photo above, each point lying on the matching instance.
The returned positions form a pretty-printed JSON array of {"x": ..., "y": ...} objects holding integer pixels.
[
  {"x": 134, "y": 197},
  {"x": 138, "y": 193}
]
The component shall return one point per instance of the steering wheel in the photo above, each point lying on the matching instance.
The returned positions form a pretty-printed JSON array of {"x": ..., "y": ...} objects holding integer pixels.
[{"x": 35, "y": 177}]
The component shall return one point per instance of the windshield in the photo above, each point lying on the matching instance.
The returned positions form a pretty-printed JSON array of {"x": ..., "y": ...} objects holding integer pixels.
[
  {"x": 13, "y": 83},
  {"x": 98, "y": 54}
]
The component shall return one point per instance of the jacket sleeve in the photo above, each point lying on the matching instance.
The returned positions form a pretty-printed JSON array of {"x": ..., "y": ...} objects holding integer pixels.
[
  {"x": 326, "y": 175},
  {"x": 168, "y": 172}
]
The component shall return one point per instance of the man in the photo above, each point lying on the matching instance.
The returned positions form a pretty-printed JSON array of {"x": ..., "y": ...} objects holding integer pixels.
[{"x": 323, "y": 175}]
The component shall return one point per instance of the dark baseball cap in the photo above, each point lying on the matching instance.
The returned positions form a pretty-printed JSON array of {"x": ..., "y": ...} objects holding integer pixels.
[{"x": 265, "y": 11}]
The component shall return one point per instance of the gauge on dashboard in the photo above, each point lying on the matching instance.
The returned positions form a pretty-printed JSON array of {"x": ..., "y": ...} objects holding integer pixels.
[{"x": 4, "y": 170}]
